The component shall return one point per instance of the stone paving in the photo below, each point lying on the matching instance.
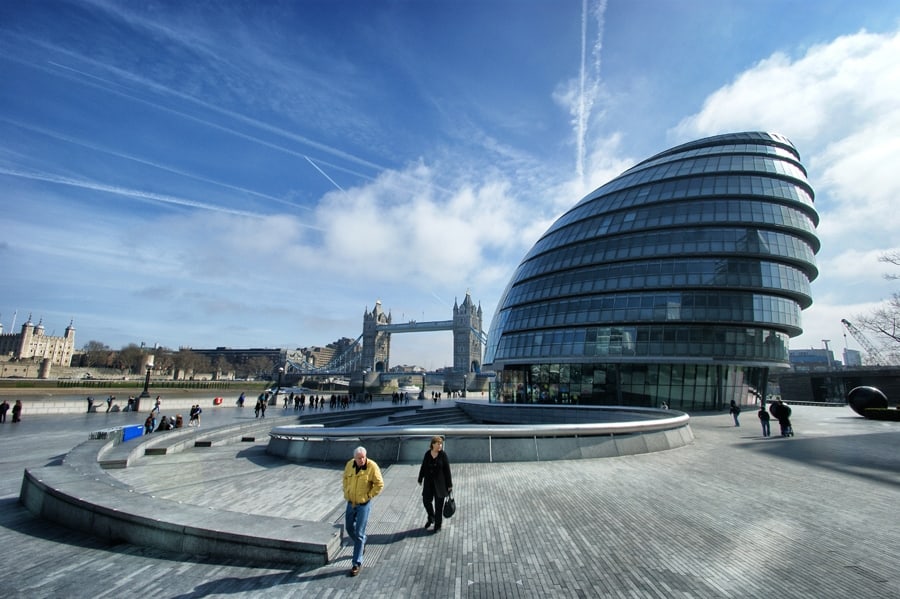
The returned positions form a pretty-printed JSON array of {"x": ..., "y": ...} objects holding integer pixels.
[{"x": 731, "y": 515}]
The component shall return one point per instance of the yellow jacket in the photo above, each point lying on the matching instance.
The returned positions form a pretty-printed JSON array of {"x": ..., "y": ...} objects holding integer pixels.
[{"x": 360, "y": 487}]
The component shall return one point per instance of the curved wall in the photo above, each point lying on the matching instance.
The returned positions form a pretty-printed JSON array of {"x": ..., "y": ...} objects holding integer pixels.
[{"x": 678, "y": 283}]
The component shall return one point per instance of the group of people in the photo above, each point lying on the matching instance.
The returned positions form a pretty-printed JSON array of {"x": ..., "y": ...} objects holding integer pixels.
[
  {"x": 778, "y": 409},
  {"x": 16, "y": 411},
  {"x": 363, "y": 481},
  {"x": 194, "y": 415},
  {"x": 782, "y": 413}
]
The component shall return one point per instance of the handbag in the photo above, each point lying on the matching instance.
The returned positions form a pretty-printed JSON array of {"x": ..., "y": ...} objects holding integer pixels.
[{"x": 449, "y": 506}]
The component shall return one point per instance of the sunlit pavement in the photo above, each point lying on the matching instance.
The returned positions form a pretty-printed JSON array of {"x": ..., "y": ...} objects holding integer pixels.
[{"x": 732, "y": 515}]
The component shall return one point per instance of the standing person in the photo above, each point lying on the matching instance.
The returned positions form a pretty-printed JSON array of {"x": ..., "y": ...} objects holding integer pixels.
[
  {"x": 240, "y": 400},
  {"x": 735, "y": 411},
  {"x": 4, "y": 408},
  {"x": 438, "y": 483},
  {"x": 17, "y": 411},
  {"x": 764, "y": 420},
  {"x": 782, "y": 412},
  {"x": 90, "y": 401},
  {"x": 362, "y": 483},
  {"x": 109, "y": 402}
]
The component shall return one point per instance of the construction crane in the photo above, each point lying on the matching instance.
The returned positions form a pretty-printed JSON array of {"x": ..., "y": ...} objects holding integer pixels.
[{"x": 870, "y": 348}]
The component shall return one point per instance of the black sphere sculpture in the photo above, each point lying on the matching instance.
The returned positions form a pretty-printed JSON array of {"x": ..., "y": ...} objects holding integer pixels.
[{"x": 862, "y": 398}]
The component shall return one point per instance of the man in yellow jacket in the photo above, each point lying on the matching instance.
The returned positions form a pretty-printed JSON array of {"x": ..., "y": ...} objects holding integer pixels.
[{"x": 362, "y": 482}]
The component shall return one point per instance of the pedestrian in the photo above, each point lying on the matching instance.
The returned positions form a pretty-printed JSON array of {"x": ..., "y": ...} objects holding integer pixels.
[
  {"x": 90, "y": 401},
  {"x": 17, "y": 411},
  {"x": 362, "y": 483},
  {"x": 4, "y": 408},
  {"x": 764, "y": 420},
  {"x": 735, "y": 411},
  {"x": 149, "y": 424},
  {"x": 436, "y": 481},
  {"x": 109, "y": 402},
  {"x": 195, "y": 415},
  {"x": 157, "y": 405},
  {"x": 782, "y": 412},
  {"x": 240, "y": 400},
  {"x": 262, "y": 408}
]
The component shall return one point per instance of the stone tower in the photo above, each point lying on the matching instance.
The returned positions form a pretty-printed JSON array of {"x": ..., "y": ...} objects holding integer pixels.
[
  {"x": 376, "y": 344},
  {"x": 467, "y": 346}
]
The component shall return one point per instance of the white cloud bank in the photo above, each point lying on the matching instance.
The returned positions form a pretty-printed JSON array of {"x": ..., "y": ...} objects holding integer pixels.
[{"x": 840, "y": 105}]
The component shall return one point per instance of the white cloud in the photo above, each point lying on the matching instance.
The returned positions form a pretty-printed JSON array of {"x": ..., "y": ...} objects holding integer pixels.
[{"x": 838, "y": 104}]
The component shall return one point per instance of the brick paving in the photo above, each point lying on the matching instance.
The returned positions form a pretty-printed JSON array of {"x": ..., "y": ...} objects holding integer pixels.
[{"x": 731, "y": 515}]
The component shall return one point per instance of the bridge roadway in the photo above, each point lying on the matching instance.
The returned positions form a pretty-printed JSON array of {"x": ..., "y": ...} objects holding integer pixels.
[{"x": 731, "y": 515}]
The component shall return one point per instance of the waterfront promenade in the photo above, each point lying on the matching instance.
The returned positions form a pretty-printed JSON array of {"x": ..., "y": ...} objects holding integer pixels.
[{"x": 731, "y": 515}]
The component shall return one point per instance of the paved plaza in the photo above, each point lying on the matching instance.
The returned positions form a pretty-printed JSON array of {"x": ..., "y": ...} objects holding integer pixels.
[{"x": 731, "y": 515}]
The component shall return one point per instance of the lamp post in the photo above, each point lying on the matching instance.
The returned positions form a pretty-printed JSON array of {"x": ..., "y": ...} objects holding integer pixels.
[
  {"x": 274, "y": 400},
  {"x": 365, "y": 371},
  {"x": 146, "y": 391}
]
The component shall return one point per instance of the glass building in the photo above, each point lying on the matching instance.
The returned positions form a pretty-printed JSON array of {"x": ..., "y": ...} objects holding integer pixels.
[{"x": 677, "y": 283}]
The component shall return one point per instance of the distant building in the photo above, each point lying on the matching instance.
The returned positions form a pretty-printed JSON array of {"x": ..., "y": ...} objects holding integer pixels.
[
  {"x": 813, "y": 359},
  {"x": 852, "y": 358},
  {"x": 31, "y": 344}
]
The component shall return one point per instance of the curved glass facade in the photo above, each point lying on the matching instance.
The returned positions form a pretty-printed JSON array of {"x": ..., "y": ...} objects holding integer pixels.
[{"x": 678, "y": 283}]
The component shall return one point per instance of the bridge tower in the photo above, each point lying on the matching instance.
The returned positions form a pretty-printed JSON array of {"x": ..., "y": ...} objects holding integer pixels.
[
  {"x": 467, "y": 346},
  {"x": 376, "y": 352}
]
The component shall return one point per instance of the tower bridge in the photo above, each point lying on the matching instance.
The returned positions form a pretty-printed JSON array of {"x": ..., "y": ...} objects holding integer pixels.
[{"x": 368, "y": 357}]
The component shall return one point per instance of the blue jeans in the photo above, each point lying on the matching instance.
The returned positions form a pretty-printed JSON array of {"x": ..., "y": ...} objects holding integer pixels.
[
  {"x": 766, "y": 428},
  {"x": 355, "y": 521}
]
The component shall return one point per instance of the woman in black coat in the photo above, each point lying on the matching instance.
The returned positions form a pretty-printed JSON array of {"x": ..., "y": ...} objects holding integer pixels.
[{"x": 438, "y": 483}]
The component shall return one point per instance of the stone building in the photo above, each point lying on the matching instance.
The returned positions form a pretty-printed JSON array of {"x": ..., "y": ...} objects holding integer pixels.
[{"x": 33, "y": 345}]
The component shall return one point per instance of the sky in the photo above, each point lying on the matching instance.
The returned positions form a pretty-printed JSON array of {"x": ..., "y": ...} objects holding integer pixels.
[{"x": 260, "y": 174}]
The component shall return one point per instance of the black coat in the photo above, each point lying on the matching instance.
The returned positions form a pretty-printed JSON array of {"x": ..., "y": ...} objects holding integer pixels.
[{"x": 436, "y": 472}]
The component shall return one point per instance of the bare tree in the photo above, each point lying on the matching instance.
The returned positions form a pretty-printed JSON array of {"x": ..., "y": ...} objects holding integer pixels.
[
  {"x": 884, "y": 321},
  {"x": 891, "y": 258},
  {"x": 130, "y": 358},
  {"x": 97, "y": 353}
]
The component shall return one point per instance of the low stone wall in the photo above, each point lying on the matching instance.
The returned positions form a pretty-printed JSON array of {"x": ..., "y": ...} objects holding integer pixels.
[{"x": 539, "y": 433}]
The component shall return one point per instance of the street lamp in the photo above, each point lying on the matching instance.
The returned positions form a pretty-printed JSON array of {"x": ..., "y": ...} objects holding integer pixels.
[
  {"x": 274, "y": 401},
  {"x": 365, "y": 372},
  {"x": 146, "y": 391}
]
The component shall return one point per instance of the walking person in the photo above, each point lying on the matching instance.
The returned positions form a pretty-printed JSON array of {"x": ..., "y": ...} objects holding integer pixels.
[
  {"x": 17, "y": 411},
  {"x": 4, "y": 408},
  {"x": 764, "y": 420},
  {"x": 362, "y": 483},
  {"x": 109, "y": 403},
  {"x": 90, "y": 401},
  {"x": 436, "y": 481},
  {"x": 735, "y": 411}
]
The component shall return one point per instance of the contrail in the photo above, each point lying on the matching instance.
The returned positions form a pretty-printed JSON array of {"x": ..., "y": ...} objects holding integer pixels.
[
  {"x": 589, "y": 82},
  {"x": 130, "y": 193},
  {"x": 125, "y": 156},
  {"x": 315, "y": 166}
]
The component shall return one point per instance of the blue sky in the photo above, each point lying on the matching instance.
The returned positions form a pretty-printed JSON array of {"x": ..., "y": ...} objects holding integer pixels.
[{"x": 258, "y": 174}]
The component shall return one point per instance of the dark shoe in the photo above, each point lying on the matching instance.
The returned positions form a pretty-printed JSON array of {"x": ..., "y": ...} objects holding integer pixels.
[
  {"x": 354, "y": 571},
  {"x": 429, "y": 523}
]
